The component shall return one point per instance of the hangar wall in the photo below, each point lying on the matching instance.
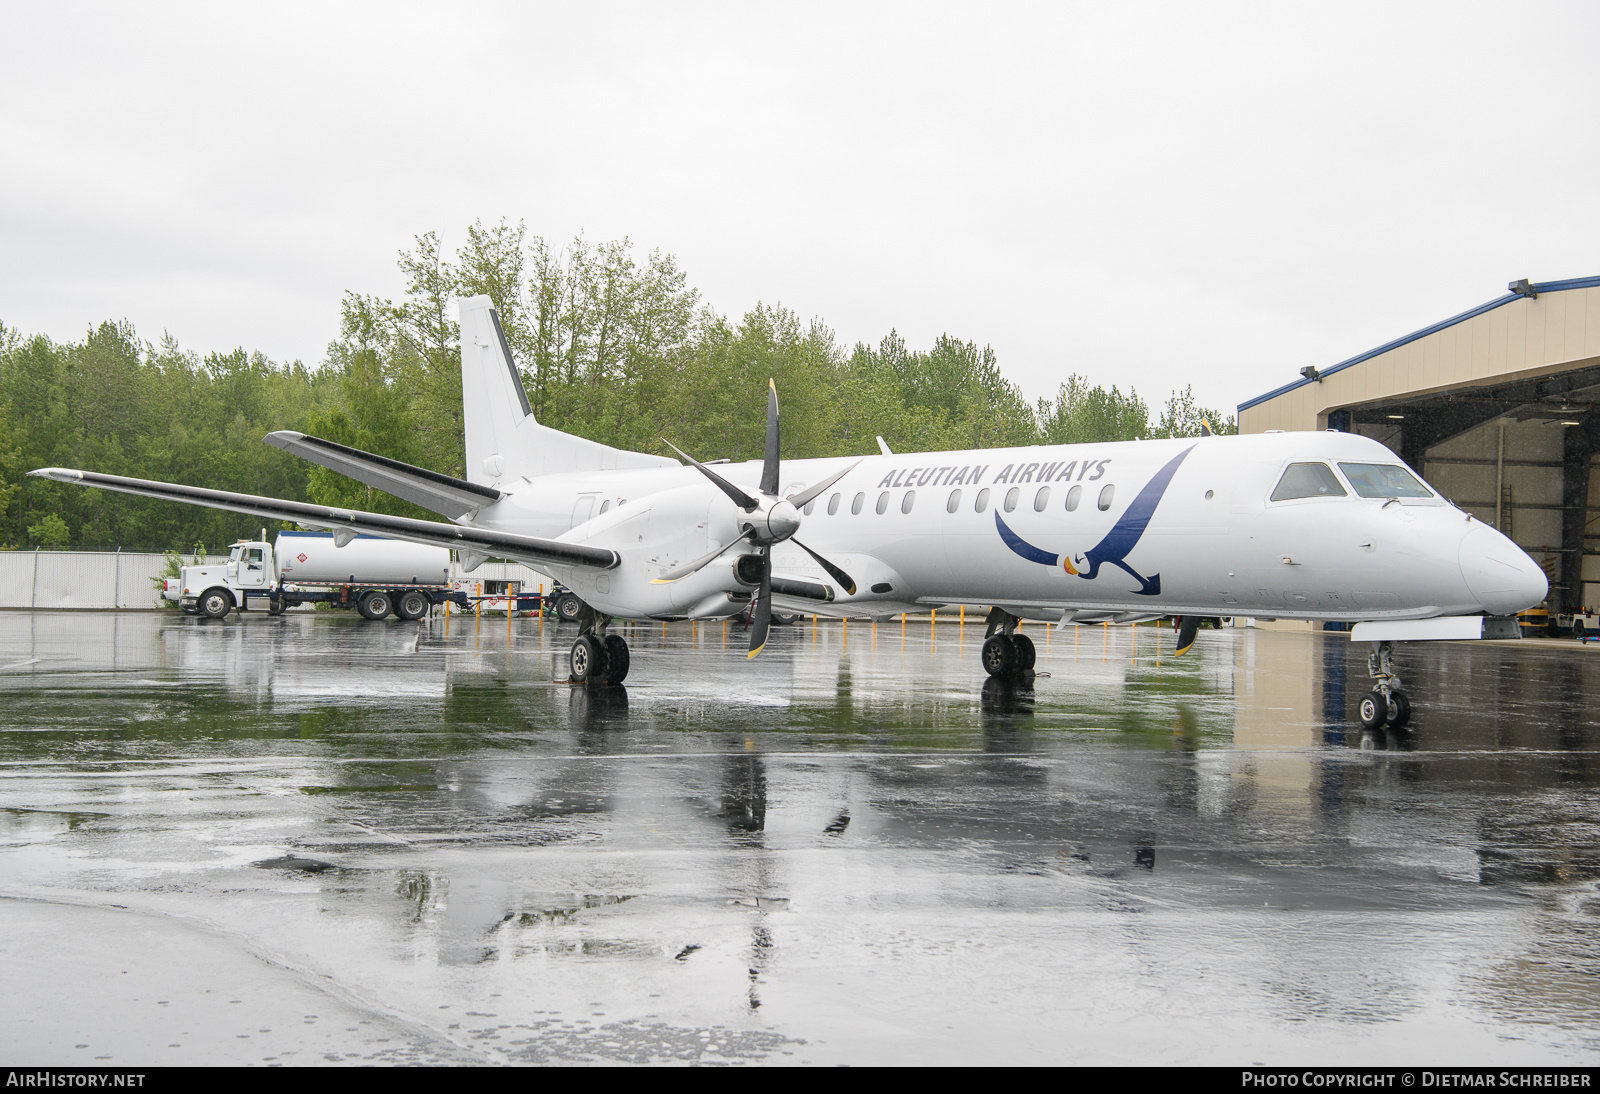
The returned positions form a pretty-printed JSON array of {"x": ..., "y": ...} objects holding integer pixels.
[{"x": 1511, "y": 336}]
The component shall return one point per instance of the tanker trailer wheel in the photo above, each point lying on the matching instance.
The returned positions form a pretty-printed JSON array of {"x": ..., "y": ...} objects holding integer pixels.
[
  {"x": 214, "y": 603},
  {"x": 374, "y": 605},
  {"x": 411, "y": 605},
  {"x": 568, "y": 607}
]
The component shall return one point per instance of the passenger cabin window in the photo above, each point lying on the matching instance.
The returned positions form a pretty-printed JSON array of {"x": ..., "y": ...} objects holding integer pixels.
[
  {"x": 855, "y": 505},
  {"x": 883, "y": 503},
  {"x": 983, "y": 501},
  {"x": 810, "y": 505},
  {"x": 1383, "y": 480},
  {"x": 909, "y": 500},
  {"x": 1074, "y": 496},
  {"x": 833, "y": 505},
  {"x": 1308, "y": 480},
  {"x": 605, "y": 506},
  {"x": 1041, "y": 499},
  {"x": 1105, "y": 498},
  {"x": 1011, "y": 498},
  {"x": 954, "y": 503}
]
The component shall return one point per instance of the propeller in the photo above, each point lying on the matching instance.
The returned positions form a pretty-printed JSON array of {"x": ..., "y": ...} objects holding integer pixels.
[{"x": 770, "y": 519}]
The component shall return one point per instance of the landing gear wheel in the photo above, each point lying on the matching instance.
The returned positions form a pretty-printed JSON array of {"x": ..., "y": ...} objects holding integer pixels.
[
  {"x": 374, "y": 605},
  {"x": 617, "y": 656},
  {"x": 999, "y": 655},
  {"x": 1026, "y": 654},
  {"x": 1374, "y": 710},
  {"x": 412, "y": 605},
  {"x": 214, "y": 604},
  {"x": 568, "y": 607},
  {"x": 589, "y": 660},
  {"x": 1398, "y": 712}
]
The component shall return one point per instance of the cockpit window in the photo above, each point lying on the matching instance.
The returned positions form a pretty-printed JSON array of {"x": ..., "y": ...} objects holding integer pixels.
[
  {"x": 1308, "y": 480},
  {"x": 1384, "y": 480}
]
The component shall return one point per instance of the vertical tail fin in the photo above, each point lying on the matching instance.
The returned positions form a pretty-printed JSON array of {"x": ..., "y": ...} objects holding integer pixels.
[{"x": 504, "y": 440}]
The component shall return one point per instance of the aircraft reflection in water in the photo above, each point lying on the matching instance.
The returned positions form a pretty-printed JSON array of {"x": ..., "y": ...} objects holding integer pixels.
[{"x": 843, "y": 807}]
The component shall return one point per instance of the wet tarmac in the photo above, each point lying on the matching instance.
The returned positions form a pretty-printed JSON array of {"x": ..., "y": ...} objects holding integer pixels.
[{"x": 309, "y": 839}]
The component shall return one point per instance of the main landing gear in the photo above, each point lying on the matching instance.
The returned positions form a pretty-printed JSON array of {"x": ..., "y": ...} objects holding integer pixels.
[
  {"x": 598, "y": 657},
  {"x": 1386, "y": 704},
  {"x": 1006, "y": 653}
]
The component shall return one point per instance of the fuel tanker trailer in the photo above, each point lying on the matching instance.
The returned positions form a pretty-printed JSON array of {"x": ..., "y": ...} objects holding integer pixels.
[{"x": 373, "y": 575}]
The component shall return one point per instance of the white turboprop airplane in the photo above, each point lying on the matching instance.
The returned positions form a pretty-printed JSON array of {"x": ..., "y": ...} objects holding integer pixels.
[{"x": 1286, "y": 525}]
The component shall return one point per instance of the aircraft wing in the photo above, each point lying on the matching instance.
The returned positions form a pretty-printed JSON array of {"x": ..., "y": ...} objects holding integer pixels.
[
  {"x": 478, "y": 542},
  {"x": 444, "y": 495}
]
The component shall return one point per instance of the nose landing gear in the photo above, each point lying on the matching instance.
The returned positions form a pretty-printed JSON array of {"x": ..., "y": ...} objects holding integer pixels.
[{"x": 1386, "y": 704}]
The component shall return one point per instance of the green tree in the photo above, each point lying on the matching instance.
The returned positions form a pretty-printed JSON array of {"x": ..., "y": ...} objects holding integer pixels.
[{"x": 1080, "y": 414}]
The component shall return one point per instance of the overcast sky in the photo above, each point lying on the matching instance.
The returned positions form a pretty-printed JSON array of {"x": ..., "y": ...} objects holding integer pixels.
[{"x": 1150, "y": 195}]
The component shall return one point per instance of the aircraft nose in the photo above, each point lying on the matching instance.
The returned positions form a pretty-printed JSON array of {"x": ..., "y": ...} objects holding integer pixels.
[{"x": 1499, "y": 573}]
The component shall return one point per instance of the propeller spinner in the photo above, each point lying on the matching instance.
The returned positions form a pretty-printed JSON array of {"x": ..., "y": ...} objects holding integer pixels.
[{"x": 769, "y": 520}]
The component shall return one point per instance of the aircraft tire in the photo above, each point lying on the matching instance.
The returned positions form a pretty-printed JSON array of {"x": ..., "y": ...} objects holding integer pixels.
[
  {"x": 999, "y": 655},
  {"x": 1399, "y": 710},
  {"x": 617, "y": 659},
  {"x": 374, "y": 605},
  {"x": 214, "y": 603},
  {"x": 1026, "y": 653},
  {"x": 589, "y": 660},
  {"x": 411, "y": 605},
  {"x": 1374, "y": 710}
]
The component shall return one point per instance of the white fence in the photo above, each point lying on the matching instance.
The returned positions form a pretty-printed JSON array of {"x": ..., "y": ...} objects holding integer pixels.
[
  {"x": 112, "y": 580},
  {"x": 104, "y": 580}
]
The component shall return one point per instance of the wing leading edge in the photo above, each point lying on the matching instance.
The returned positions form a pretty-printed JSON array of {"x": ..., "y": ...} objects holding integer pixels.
[{"x": 471, "y": 542}]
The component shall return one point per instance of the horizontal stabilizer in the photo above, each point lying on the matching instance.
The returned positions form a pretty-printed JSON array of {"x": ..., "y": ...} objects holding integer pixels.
[
  {"x": 440, "y": 493},
  {"x": 433, "y": 533}
]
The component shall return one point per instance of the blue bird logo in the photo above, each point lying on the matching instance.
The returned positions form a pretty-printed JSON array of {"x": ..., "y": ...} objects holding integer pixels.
[{"x": 1118, "y": 543}]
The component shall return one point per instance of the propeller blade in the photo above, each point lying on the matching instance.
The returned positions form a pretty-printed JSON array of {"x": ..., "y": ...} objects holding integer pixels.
[
  {"x": 805, "y": 497},
  {"x": 1188, "y": 627},
  {"x": 763, "y": 613},
  {"x": 834, "y": 572},
  {"x": 740, "y": 498},
  {"x": 684, "y": 571},
  {"x": 769, "y": 465}
]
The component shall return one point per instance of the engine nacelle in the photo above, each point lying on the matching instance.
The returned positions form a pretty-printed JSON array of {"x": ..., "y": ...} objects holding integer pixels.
[{"x": 653, "y": 536}]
